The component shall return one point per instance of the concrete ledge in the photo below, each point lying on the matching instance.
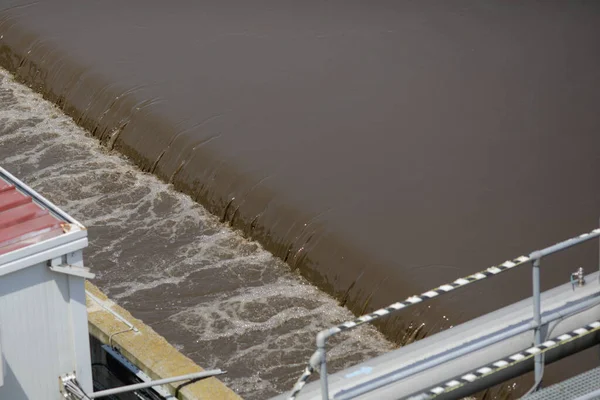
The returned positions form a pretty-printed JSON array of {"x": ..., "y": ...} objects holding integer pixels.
[{"x": 148, "y": 350}]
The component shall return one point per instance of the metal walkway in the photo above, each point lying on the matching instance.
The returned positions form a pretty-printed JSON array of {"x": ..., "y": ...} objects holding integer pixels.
[
  {"x": 579, "y": 386},
  {"x": 446, "y": 359}
]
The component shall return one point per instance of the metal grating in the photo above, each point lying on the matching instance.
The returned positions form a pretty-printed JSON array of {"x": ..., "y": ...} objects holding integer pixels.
[{"x": 571, "y": 388}]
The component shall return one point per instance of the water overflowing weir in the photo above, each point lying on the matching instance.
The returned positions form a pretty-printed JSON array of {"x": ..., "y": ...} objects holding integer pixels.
[
  {"x": 379, "y": 148},
  {"x": 223, "y": 301}
]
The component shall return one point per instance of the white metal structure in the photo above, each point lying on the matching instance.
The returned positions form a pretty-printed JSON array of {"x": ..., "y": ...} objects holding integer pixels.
[
  {"x": 43, "y": 318},
  {"x": 499, "y": 344}
]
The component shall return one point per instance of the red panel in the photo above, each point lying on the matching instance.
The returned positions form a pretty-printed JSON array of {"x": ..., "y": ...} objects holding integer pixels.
[
  {"x": 5, "y": 186},
  {"x": 20, "y": 214},
  {"x": 32, "y": 240},
  {"x": 22, "y": 221},
  {"x": 12, "y": 198},
  {"x": 27, "y": 229}
]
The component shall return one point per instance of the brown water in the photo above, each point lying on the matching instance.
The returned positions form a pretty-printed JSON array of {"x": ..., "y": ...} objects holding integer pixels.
[
  {"x": 221, "y": 300},
  {"x": 380, "y": 147}
]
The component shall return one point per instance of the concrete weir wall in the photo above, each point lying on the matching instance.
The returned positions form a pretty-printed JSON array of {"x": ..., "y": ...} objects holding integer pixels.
[
  {"x": 380, "y": 147},
  {"x": 149, "y": 351}
]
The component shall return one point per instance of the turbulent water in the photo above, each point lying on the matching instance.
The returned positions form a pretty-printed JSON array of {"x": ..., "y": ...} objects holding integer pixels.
[
  {"x": 226, "y": 302},
  {"x": 380, "y": 148}
]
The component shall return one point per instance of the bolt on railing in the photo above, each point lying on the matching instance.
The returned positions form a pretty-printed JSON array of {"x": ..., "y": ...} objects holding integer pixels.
[{"x": 318, "y": 361}]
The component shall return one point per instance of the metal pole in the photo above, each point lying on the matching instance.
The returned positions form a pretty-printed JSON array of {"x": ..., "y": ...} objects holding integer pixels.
[
  {"x": 565, "y": 244},
  {"x": 143, "y": 385},
  {"x": 111, "y": 311},
  {"x": 322, "y": 359},
  {"x": 537, "y": 317},
  {"x": 324, "y": 383},
  {"x": 453, "y": 354}
]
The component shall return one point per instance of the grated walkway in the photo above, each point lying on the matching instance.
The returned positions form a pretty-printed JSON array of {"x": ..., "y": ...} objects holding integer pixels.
[{"x": 572, "y": 388}]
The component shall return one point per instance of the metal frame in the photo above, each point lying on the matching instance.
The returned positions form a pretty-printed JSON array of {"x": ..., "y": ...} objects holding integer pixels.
[
  {"x": 507, "y": 362},
  {"x": 130, "y": 388},
  {"x": 136, "y": 371},
  {"x": 70, "y": 385},
  {"x": 318, "y": 360},
  {"x": 558, "y": 312},
  {"x": 536, "y": 257}
]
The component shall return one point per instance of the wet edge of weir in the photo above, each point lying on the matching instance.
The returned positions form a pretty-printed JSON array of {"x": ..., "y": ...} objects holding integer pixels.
[
  {"x": 113, "y": 115},
  {"x": 260, "y": 326}
]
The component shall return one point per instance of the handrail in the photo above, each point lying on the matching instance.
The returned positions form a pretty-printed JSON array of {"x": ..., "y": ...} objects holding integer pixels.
[
  {"x": 471, "y": 347},
  {"x": 143, "y": 385},
  {"x": 536, "y": 258},
  {"x": 69, "y": 384},
  {"x": 507, "y": 362},
  {"x": 565, "y": 244},
  {"x": 319, "y": 358}
]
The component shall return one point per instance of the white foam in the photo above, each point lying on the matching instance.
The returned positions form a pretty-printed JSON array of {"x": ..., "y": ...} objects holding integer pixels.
[{"x": 223, "y": 300}]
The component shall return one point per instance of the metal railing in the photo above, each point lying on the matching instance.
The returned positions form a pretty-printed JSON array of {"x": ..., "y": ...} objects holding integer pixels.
[
  {"x": 536, "y": 258},
  {"x": 507, "y": 362},
  {"x": 71, "y": 387},
  {"x": 318, "y": 361}
]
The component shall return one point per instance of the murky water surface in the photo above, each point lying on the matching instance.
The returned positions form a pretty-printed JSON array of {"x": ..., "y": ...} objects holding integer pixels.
[
  {"x": 221, "y": 299},
  {"x": 381, "y": 147}
]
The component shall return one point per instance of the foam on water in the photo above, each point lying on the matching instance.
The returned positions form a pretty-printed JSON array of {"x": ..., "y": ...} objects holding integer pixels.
[{"x": 221, "y": 299}]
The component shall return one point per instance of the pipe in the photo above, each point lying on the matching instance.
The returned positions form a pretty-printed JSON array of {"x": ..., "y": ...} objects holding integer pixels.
[
  {"x": 552, "y": 355},
  {"x": 323, "y": 375},
  {"x": 465, "y": 349},
  {"x": 565, "y": 245},
  {"x": 143, "y": 385},
  {"x": 537, "y": 311},
  {"x": 321, "y": 360},
  {"x": 534, "y": 256},
  {"x": 383, "y": 312},
  {"x": 116, "y": 314}
]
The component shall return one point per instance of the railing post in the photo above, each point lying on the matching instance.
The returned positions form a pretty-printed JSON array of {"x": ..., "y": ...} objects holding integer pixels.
[
  {"x": 537, "y": 316},
  {"x": 324, "y": 383},
  {"x": 321, "y": 349},
  {"x": 318, "y": 360}
]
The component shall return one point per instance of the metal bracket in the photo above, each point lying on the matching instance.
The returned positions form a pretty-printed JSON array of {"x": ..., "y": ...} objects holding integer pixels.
[
  {"x": 68, "y": 269},
  {"x": 61, "y": 385},
  {"x": 69, "y": 387},
  {"x": 577, "y": 278}
]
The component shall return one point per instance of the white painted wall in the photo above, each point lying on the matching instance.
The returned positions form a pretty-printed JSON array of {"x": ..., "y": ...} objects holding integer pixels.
[{"x": 43, "y": 331}]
